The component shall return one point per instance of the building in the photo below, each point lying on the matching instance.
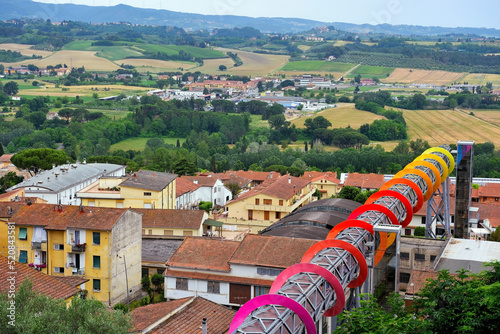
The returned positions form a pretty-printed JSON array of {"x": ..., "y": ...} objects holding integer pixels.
[
  {"x": 155, "y": 254},
  {"x": 272, "y": 199},
  {"x": 52, "y": 287},
  {"x": 7, "y": 211},
  {"x": 365, "y": 182},
  {"x": 178, "y": 223},
  {"x": 230, "y": 272},
  {"x": 187, "y": 195},
  {"x": 326, "y": 182},
  {"x": 60, "y": 184},
  {"x": 211, "y": 190},
  {"x": 143, "y": 189},
  {"x": 99, "y": 244},
  {"x": 490, "y": 193},
  {"x": 190, "y": 315}
]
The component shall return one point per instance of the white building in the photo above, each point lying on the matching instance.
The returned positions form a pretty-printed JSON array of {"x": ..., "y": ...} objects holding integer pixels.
[
  {"x": 210, "y": 189},
  {"x": 230, "y": 272},
  {"x": 60, "y": 184}
]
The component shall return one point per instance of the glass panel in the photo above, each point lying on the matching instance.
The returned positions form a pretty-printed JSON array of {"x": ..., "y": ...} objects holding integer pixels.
[
  {"x": 96, "y": 238},
  {"x": 23, "y": 233}
]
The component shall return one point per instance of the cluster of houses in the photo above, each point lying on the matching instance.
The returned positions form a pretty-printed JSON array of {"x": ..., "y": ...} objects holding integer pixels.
[{"x": 92, "y": 228}]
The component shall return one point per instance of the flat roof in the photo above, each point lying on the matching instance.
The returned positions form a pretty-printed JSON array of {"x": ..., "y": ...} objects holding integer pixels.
[{"x": 468, "y": 254}]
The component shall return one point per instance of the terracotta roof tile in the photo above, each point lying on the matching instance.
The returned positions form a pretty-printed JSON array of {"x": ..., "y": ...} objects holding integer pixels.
[
  {"x": 72, "y": 280},
  {"x": 316, "y": 176},
  {"x": 183, "y": 185},
  {"x": 203, "y": 253},
  {"x": 146, "y": 179},
  {"x": 367, "y": 181},
  {"x": 42, "y": 283},
  {"x": 202, "y": 181},
  {"x": 269, "y": 251},
  {"x": 5, "y": 157},
  {"x": 145, "y": 316},
  {"x": 489, "y": 190},
  {"x": 48, "y": 215},
  {"x": 188, "y": 321},
  {"x": 218, "y": 278},
  {"x": 256, "y": 176},
  {"x": 192, "y": 219},
  {"x": 5, "y": 212}
]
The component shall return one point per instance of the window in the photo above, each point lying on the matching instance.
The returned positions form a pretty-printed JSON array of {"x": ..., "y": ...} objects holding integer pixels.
[
  {"x": 145, "y": 272},
  {"x": 150, "y": 232},
  {"x": 97, "y": 262},
  {"x": 146, "y": 206},
  {"x": 433, "y": 257},
  {"x": 58, "y": 247},
  {"x": 423, "y": 221},
  {"x": 147, "y": 194},
  {"x": 266, "y": 215},
  {"x": 404, "y": 277},
  {"x": 96, "y": 285},
  {"x": 260, "y": 290},
  {"x": 278, "y": 215},
  {"x": 143, "y": 231},
  {"x": 23, "y": 233},
  {"x": 407, "y": 231},
  {"x": 96, "y": 238},
  {"x": 23, "y": 256},
  {"x": 257, "y": 201},
  {"x": 419, "y": 257},
  {"x": 91, "y": 203},
  {"x": 213, "y": 287},
  {"x": 405, "y": 256},
  {"x": 268, "y": 271},
  {"x": 160, "y": 271},
  {"x": 187, "y": 233},
  {"x": 281, "y": 202},
  {"x": 119, "y": 205},
  {"x": 168, "y": 232},
  {"x": 181, "y": 283},
  {"x": 59, "y": 270},
  {"x": 268, "y": 202}
]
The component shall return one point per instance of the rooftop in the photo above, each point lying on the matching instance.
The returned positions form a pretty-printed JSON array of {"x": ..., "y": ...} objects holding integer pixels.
[
  {"x": 191, "y": 219},
  {"x": 203, "y": 253},
  {"x": 419, "y": 279},
  {"x": 65, "y": 176},
  {"x": 159, "y": 250},
  {"x": 69, "y": 216},
  {"x": 150, "y": 180},
  {"x": 269, "y": 251},
  {"x": 183, "y": 185},
  {"x": 145, "y": 316},
  {"x": 42, "y": 283},
  {"x": 367, "y": 181}
]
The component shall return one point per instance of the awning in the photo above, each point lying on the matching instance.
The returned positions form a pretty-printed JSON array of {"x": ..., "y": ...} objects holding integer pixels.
[
  {"x": 480, "y": 230},
  {"x": 210, "y": 222}
]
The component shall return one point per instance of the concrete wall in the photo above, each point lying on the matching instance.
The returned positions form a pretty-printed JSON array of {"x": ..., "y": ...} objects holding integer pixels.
[
  {"x": 126, "y": 242},
  {"x": 196, "y": 288}
]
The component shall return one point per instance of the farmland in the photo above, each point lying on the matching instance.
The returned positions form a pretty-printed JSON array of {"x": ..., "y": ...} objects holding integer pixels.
[
  {"x": 449, "y": 126},
  {"x": 408, "y": 76},
  {"x": 73, "y": 91},
  {"x": 155, "y": 66},
  {"x": 482, "y": 79},
  {"x": 342, "y": 116},
  {"x": 24, "y": 49},
  {"x": 372, "y": 71},
  {"x": 316, "y": 66},
  {"x": 175, "y": 49},
  {"x": 139, "y": 143},
  {"x": 253, "y": 64},
  {"x": 491, "y": 116}
]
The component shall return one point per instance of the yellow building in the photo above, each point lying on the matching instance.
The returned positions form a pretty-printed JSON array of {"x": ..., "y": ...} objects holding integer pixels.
[
  {"x": 100, "y": 244},
  {"x": 272, "y": 199},
  {"x": 143, "y": 189},
  {"x": 172, "y": 223},
  {"x": 326, "y": 182}
]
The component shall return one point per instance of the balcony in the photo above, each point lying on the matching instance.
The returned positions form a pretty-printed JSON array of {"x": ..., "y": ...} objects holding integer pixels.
[
  {"x": 78, "y": 272},
  {"x": 78, "y": 248},
  {"x": 36, "y": 245}
]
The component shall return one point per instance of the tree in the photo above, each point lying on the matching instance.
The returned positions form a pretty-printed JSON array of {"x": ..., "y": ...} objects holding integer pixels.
[
  {"x": 11, "y": 88},
  {"x": 372, "y": 318},
  {"x": 234, "y": 188},
  {"x": 37, "y": 313},
  {"x": 419, "y": 231},
  {"x": 155, "y": 143},
  {"x": 35, "y": 160},
  {"x": 287, "y": 83},
  {"x": 157, "y": 281},
  {"x": 357, "y": 79},
  {"x": 222, "y": 67},
  {"x": 207, "y": 206},
  {"x": 184, "y": 167},
  {"x": 9, "y": 180},
  {"x": 495, "y": 236},
  {"x": 146, "y": 286},
  {"x": 349, "y": 192}
]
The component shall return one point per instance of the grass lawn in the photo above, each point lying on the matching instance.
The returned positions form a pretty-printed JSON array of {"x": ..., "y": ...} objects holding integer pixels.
[
  {"x": 257, "y": 122},
  {"x": 317, "y": 65},
  {"x": 139, "y": 143},
  {"x": 361, "y": 89}
]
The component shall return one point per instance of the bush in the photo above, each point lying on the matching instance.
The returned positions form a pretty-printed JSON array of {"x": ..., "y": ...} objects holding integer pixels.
[
  {"x": 420, "y": 231},
  {"x": 122, "y": 307}
]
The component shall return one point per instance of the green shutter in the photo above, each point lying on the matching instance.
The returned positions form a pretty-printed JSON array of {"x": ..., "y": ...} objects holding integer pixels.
[
  {"x": 97, "y": 261},
  {"x": 23, "y": 257},
  {"x": 23, "y": 233},
  {"x": 96, "y": 238},
  {"x": 97, "y": 285}
]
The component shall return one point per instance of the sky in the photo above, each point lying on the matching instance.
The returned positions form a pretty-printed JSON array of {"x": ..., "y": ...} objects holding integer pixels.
[{"x": 444, "y": 13}]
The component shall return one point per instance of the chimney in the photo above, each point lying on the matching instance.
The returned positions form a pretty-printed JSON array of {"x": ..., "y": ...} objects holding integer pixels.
[
  {"x": 289, "y": 179},
  {"x": 271, "y": 175},
  {"x": 204, "y": 326}
]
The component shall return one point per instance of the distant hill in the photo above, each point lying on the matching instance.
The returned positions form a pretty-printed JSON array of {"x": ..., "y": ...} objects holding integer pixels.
[{"x": 11, "y": 9}]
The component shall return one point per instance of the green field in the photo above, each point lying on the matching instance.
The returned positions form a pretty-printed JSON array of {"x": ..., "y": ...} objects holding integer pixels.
[
  {"x": 175, "y": 49},
  {"x": 372, "y": 71},
  {"x": 317, "y": 65},
  {"x": 361, "y": 89},
  {"x": 139, "y": 143}
]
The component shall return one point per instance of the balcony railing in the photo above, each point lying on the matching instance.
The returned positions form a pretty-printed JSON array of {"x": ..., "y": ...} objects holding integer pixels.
[
  {"x": 36, "y": 245},
  {"x": 78, "y": 248},
  {"x": 78, "y": 272}
]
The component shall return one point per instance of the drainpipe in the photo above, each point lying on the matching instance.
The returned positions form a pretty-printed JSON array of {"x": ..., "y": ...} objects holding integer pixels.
[{"x": 204, "y": 326}]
